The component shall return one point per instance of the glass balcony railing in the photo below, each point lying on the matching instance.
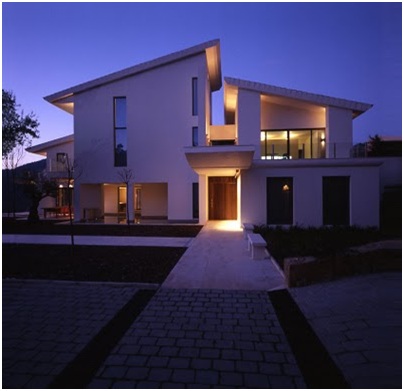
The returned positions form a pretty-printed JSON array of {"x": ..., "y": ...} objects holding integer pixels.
[{"x": 323, "y": 150}]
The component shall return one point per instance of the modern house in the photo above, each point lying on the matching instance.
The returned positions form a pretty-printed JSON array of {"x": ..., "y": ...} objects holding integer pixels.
[{"x": 282, "y": 157}]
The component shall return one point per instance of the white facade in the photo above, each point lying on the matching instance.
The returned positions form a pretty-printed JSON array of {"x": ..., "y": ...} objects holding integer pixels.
[{"x": 185, "y": 169}]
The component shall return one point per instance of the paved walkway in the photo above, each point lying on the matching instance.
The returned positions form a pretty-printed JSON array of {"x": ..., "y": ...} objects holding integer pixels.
[
  {"x": 220, "y": 330},
  {"x": 99, "y": 240},
  {"x": 218, "y": 259},
  {"x": 359, "y": 320}
]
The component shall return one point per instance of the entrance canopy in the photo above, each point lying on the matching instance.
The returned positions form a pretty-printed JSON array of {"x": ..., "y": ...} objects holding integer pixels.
[{"x": 220, "y": 160}]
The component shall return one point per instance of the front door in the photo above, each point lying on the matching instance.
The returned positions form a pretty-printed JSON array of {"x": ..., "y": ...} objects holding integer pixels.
[{"x": 222, "y": 198}]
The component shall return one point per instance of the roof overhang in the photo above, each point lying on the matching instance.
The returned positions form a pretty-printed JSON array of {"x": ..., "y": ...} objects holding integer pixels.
[
  {"x": 279, "y": 94},
  {"x": 41, "y": 149},
  {"x": 64, "y": 99},
  {"x": 220, "y": 160}
]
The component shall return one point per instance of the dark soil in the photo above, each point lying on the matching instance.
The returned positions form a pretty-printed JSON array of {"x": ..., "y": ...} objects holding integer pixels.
[
  {"x": 89, "y": 263},
  {"x": 53, "y": 227}
]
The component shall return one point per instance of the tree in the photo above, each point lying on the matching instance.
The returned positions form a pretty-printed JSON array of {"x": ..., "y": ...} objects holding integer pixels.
[
  {"x": 38, "y": 186},
  {"x": 18, "y": 129},
  {"x": 126, "y": 175},
  {"x": 375, "y": 146},
  {"x": 72, "y": 172},
  {"x": 10, "y": 164}
]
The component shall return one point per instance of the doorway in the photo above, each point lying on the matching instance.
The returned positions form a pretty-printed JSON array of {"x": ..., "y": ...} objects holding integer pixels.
[
  {"x": 280, "y": 201},
  {"x": 222, "y": 198}
]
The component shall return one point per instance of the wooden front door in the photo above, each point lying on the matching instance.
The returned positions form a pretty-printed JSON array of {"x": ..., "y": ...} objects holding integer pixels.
[{"x": 222, "y": 198}]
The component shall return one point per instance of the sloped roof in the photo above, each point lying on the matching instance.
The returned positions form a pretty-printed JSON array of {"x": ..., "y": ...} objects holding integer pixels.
[
  {"x": 321, "y": 100},
  {"x": 41, "y": 149},
  {"x": 212, "y": 49}
]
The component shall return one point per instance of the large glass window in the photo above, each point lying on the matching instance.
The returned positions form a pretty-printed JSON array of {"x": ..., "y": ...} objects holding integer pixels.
[
  {"x": 194, "y": 96},
  {"x": 120, "y": 132},
  {"x": 292, "y": 144}
]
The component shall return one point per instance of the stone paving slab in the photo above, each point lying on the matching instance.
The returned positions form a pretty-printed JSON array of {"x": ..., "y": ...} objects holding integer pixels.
[
  {"x": 202, "y": 339},
  {"x": 359, "y": 320},
  {"x": 46, "y": 324}
]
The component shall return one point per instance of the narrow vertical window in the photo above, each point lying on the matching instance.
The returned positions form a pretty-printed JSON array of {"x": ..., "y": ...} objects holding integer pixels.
[
  {"x": 120, "y": 132},
  {"x": 195, "y": 200},
  {"x": 195, "y": 136},
  {"x": 194, "y": 96}
]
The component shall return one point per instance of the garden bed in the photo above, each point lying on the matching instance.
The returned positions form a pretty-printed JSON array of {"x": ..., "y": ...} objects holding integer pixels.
[
  {"x": 54, "y": 227},
  {"x": 312, "y": 255},
  {"x": 90, "y": 263}
]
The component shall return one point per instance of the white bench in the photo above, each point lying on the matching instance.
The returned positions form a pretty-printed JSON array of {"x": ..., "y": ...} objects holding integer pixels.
[
  {"x": 248, "y": 229},
  {"x": 257, "y": 246}
]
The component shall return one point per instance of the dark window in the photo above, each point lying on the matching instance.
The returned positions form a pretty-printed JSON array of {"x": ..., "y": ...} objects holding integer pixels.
[
  {"x": 194, "y": 96},
  {"x": 280, "y": 200},
  {"x": 120, "y": 132},
  {"x": 336, "y": 209},
  {"x": 195, "y": 137},
  {"x": 61, "y": 161},
  {"x": 195, "y": 200}
]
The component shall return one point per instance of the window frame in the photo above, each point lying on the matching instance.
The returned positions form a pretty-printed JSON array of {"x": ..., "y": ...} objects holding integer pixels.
[
  {"x": 120, "y": 128},
  {"x": 194, "y": 96}
]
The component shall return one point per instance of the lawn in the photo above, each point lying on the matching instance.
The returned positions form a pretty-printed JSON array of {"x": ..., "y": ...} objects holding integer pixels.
[
  {"x": 54, "y": 227},
  {"x": 92, "y": 263},
  {"x": 89, "y": 263}
]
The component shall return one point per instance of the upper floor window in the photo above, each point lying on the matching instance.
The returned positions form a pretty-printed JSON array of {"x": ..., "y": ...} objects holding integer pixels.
[
  {"x": 195, "y": 136},
  {"x": 292, "y": 144},
  {"x": 120, "y": 132},
  {"x": 194, "y": 96},
  {"x": 61, "y": 161}
]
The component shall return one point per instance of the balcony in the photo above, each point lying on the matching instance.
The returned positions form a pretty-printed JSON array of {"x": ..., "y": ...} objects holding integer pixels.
[
  {"x": 223, "y": 160},
  {"x": 220, "y": 135}
]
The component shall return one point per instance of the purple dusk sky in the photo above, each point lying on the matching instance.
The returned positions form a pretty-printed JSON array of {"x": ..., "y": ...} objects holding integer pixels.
[{"x": 345, "y": 50}]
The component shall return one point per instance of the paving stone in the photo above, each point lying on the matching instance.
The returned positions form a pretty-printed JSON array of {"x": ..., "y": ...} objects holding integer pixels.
[
  {"x": 207, "y": 377},
  {"x": 158, "y": 362},
  {"x": 100, "y": 384},
  {"x": 224, "y": 365},
  {"x": 183, "y": 375},
  {"x": 137, "y": 373},
  {"x": 179, "y": 363},
  {"x": 231, "y": 379},
  {"x": 246, "y": 366},
  {"x": 256, "y": 380},
  {"x": 160, "y": 374},
  {"x": 200, "y": 363},
  {"x": 123, "y": 384}
]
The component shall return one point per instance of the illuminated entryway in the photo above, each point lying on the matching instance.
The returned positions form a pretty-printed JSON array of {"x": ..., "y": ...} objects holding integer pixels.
[{"x": 222, "y": 198}]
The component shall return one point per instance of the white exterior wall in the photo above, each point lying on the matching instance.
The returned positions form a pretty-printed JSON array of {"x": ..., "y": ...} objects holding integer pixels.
[
  {"x": 274, "y": 116},
  {"x": 248, "y": 116},
  {"x": 307, "y": 193},
  {"x": 338, "y": 132},
  {"x": 51, "y": 154},
  {"x": 154, "y": 200},
  {"x": 159, "y": 125}
]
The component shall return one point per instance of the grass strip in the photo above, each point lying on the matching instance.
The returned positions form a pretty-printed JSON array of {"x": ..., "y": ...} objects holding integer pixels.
[
  {"x": 79, "y": 372},
  {"x": 316, "y": 365}
]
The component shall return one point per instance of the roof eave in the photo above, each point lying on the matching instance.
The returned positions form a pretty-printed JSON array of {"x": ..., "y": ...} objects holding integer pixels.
[
  {"x": 211, "y": 47},
  {"x": 357, "y": 108}
]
